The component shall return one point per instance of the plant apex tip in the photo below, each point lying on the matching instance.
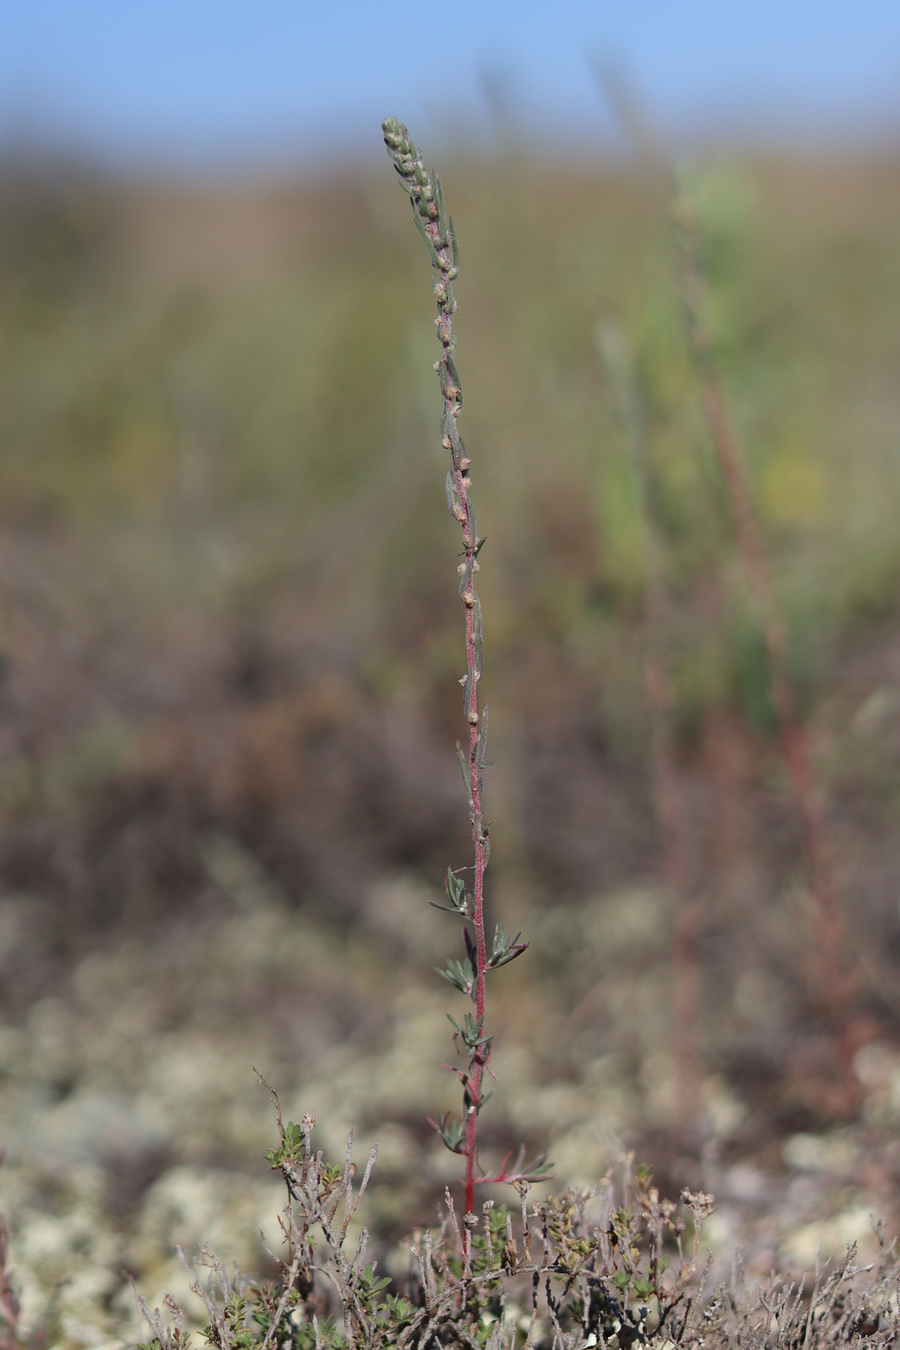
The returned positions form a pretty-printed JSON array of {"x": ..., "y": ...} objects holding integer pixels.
[{"x": 395, "y": 132}]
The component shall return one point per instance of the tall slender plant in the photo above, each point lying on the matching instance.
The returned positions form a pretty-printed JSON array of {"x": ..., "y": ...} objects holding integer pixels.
[
  {"x": 585, "y": 1271},
  {"x": 469, "y": 975},
  {"x": 831, "y": 981}
]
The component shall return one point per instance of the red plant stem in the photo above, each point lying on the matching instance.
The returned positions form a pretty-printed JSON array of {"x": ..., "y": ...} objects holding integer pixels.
[
  {"x": 480, "y": 1060},
  {"x": 475, "y": 1076},
  {"x": 829, "y": 977}
]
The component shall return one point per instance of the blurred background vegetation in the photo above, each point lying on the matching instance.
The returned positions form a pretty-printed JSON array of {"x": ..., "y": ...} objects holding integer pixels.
[{"x": 229, "y": 646}]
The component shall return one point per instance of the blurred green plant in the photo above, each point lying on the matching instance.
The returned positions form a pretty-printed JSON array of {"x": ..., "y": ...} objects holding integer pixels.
[{"x": 832, "y": 979}]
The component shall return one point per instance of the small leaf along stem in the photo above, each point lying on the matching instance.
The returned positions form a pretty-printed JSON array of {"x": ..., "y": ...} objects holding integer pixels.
[{"x": 436, "y": 228}]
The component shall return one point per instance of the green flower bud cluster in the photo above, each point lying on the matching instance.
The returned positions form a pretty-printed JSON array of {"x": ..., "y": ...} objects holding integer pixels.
[{"x": 427, "y": 198}]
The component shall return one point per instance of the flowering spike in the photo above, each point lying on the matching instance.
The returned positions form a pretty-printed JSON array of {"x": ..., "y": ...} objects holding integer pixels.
[{"x": 426, "y": 194}]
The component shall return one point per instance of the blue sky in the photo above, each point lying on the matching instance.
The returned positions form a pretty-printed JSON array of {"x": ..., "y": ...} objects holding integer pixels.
[{"x": 199, "y": 82}]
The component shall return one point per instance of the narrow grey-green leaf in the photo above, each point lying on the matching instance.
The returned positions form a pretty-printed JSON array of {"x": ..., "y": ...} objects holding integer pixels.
[
  {"x": 467, "y": 697},
  {"x": 466, "y": 577},
  {"x": 477, "y": 621},
  {"x": 456, "y": 890},
  {"x": 420, "y": 226},
  {"x": 486, "y": 846},
  {"x": 481, "y": 741},
  {"x": 464, "y": 765},
  {"x": 439, "y": 203},
  {"x": 454, "y": 246},
  {"x": 454, "y": 375},
  {"x": 453, "y": 502}
]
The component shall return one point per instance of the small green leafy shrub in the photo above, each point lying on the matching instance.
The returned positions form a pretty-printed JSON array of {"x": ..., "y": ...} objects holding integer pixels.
[
  {"x": 614, "y": 1266},
  {"x": 573, "y": 1269}
]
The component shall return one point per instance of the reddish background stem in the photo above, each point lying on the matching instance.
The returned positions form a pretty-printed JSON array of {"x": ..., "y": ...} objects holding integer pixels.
[{"x": 829, "y": 979}]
